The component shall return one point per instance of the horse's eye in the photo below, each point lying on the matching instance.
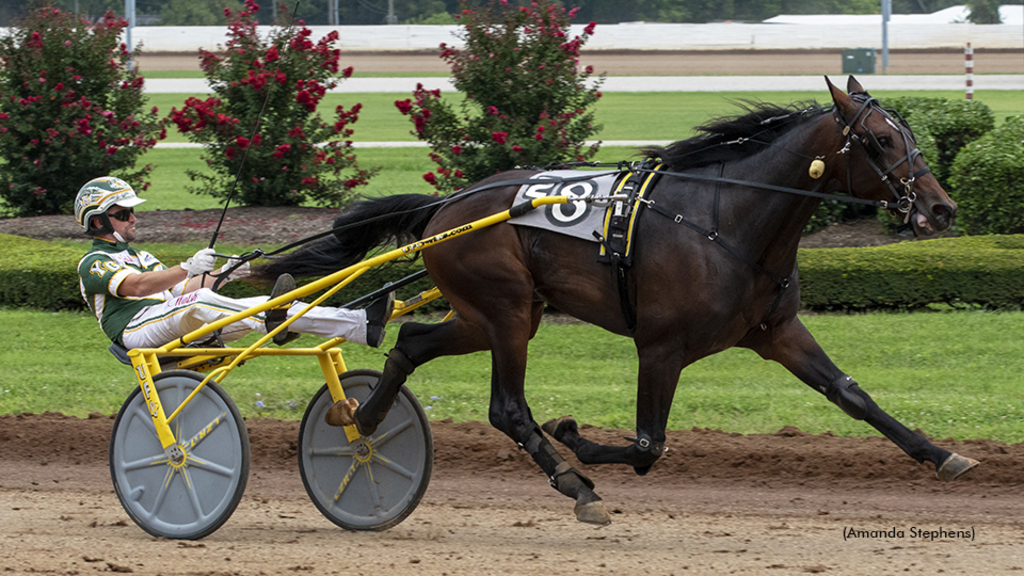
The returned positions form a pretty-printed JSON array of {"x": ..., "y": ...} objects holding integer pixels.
[{"x": 885, "y": 141}]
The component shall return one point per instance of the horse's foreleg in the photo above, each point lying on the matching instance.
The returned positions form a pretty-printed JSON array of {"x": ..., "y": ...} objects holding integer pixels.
[
  {"x": 659, "y": 373},
  {"x": 793, "y": 346}
]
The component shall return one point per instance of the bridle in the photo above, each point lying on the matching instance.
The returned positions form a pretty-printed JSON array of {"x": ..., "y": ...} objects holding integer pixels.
[{"x": 905, "y": 198}]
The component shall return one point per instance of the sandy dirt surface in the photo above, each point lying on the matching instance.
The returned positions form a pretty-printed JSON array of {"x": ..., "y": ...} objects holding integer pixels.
[
  {"x": 671, "y": 63},
  {"x": 716, "y": 503}
]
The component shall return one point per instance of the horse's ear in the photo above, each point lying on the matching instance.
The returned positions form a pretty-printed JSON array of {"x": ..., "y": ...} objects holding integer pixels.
[
  {"x": 853, "y": 87},
  {"x": 842, "y": 101}
]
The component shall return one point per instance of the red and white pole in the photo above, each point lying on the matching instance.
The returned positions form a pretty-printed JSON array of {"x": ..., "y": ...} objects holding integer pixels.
[{"x": 969, "y": 68}]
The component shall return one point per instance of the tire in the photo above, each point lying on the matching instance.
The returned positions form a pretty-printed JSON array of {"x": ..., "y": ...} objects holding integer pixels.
[
  {"x": 381, "y": 491},
  {"x": 196, "y": 498}
]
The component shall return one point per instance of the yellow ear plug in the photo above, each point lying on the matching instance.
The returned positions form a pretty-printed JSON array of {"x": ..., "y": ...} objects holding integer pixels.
[{"x": 817, "y": 169}]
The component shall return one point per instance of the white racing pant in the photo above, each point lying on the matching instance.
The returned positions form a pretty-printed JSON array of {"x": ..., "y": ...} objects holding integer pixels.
[{"x": 159, "y": 324}]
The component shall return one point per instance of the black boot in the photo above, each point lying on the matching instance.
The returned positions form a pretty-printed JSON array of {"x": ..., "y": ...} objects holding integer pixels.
[{"x": 378, "y": 313}]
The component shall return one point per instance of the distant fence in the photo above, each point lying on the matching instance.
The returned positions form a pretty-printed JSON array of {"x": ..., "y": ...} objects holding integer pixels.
[{"x": 636, "y": 36}]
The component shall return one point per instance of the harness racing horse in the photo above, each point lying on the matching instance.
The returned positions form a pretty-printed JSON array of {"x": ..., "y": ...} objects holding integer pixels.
[{"x": 745, "y": 189}]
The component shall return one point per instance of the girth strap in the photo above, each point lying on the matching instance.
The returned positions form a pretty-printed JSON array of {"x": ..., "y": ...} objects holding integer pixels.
[{"x": 620, "y": 223}]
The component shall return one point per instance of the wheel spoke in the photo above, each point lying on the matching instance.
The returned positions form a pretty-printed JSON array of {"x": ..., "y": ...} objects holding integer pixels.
[
  {"x": 392, "y": 465},
  {"x": 210, "y": 466},
  {"x": 349, "y": 476},
  {"x": 375, "y": 496},
  {"x": 332, "y": 451},
  {"x": 193, "y": 494},
  {"x": 144, "y": 462},
  {"x": 204, "y": 432},
  {"x": 382, "y": 439},
  {"x": 165, "y": 487}
]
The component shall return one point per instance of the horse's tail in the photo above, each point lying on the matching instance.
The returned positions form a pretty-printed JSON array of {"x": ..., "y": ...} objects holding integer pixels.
[{"x": 366, "y": 225}]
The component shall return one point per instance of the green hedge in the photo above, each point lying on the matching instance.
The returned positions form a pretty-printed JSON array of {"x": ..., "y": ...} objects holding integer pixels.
[
  {"x": 951, "y": 123},
  {"x": 986, "y": 271},
  {"x": 39, "y": 274},
  {"x": 987, "y": 181}
]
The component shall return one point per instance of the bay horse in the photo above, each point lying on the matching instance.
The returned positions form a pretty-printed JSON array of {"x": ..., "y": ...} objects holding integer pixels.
[{"x": 746, "y": 179}]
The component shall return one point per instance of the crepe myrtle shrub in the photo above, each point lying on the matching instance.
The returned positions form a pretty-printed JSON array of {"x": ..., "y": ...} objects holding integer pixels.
[
  {"x": 295, "y": 156},
  {"x": 70, "y": 110},
  {"x": 987, "y": 181},
  {"x": 526, "y": 98}
]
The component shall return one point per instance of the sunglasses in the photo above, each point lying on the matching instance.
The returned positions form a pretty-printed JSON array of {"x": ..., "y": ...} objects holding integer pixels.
[{"x": 122, "y": 216}]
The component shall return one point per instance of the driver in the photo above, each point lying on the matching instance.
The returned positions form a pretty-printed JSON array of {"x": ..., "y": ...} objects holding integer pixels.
[{"x": 140, "y": 303}]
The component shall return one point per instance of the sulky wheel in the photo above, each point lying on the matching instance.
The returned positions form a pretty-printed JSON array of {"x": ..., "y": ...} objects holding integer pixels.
[
  {"x": 190, "y": 500},
  {"x": 377, "y": 481}
]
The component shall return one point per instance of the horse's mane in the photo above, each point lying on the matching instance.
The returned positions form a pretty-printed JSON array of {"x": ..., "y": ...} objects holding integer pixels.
[{"x": 762, "y": 123}]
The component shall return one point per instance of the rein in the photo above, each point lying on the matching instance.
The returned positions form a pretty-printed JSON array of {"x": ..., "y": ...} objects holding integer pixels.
[{"x": 873, "y": 148}]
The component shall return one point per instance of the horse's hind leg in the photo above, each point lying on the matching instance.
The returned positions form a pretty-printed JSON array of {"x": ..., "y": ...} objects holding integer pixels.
[
  {"x": 510, "y": 414},
  {"x": 416, "y": 345},
  {"x": 791, "y": 345},
  {"x": 660, "y": 365}
]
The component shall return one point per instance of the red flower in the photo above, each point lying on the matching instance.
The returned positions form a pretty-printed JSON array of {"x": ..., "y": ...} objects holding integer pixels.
[
  {"x": 229, "y": 152},
  {"x": 499, "y": 137},
  {"x": 429, "y": 177},
  {"x": 589, "y": 30},
  {"x": 492, "y": 110},
  {"x": 517, "y": 148},
  {"x": 309, "y": 181},
  {"x": 272, "y": 54},
  {"x": 404, "y": 106},
  {"x": 456, "y": 149},
  {"x": 280, "y": 151},
  {"x": 242, "y": 142}
]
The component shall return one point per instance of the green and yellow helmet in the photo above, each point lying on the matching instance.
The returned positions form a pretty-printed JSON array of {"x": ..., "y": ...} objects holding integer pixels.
[{"x": 96, "y": 197}]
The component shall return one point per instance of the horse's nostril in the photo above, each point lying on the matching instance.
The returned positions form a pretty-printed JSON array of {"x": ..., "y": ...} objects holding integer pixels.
[{"x": 943, "y": 213}]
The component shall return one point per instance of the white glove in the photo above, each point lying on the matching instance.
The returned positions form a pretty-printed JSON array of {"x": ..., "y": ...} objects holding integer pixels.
[
  {"x": 240, "y": 272},
  {"x": 201, "y": 262}
]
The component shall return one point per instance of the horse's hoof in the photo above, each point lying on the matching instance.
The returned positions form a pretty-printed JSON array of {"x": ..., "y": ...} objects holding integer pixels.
[
  {"x": 551, "y": 426},
  {"x": 343, "y": 413},
  {"x": 955, "y": 466},
  {"x": 593, "y": 513}
]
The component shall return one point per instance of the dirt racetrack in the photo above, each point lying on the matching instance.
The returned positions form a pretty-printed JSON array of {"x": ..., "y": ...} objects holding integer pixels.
[
  {"x": 670, "y": 63},
  {"x": 716, "y": 503}
]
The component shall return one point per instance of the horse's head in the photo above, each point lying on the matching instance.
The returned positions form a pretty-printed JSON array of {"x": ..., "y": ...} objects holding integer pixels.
[{"x": 884, "y": 162}]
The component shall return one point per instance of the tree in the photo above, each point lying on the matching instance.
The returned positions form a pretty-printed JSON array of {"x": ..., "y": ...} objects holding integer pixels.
[
  {"x": 983, "y": 11},
  {"x": 295, "y": 156},
  {"x": 70, "y": 111},
  {"x": 526, "y": 98}
]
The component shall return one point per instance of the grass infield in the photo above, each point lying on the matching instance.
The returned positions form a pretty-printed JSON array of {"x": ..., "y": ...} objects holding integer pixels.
[{"x": 957, "y": 375}]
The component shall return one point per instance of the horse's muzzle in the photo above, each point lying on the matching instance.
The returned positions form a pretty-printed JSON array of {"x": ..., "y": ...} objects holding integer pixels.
[{"x": 932, "y": 218}]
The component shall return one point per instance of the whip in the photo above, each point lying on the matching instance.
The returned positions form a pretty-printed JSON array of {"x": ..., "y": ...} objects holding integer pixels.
[{"x": 245, "y": 153}]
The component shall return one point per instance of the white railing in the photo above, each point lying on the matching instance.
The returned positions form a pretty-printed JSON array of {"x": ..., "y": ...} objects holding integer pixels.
[{"x": 639, "y": 36}]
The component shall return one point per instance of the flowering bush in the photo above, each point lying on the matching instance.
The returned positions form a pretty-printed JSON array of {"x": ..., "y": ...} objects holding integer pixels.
[
  {"x": 70, "y": 111},
  {"x": 526, "y": 98},
  {"x": 295, "y": 155}
]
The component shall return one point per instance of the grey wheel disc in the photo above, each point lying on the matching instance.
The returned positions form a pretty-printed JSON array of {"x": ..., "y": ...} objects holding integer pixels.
[
  {"x": 377, "y": 481},
  {"x": 195, "y": 498}
]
